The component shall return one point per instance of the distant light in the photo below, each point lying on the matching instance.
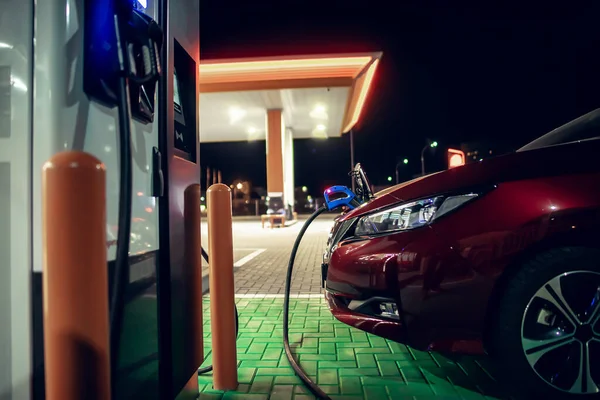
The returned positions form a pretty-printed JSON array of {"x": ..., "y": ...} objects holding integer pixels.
[
  {"x": 456, "y": 158},
  {"x": 309, "y": 198},
  {"x": 455, "y": 161},
  {"x": 236, "y": 114},
  {"x": 202, "y": 198},
  {"x": 304, "y": 189},
  {"x": 389, "y": 178},
  {"x": 202, "y": 207},
  {"x": 321, "y": 127},
  {"x": 481, "y": 159},
  {"x": 140, "y": 194},
  {"x": 267, "y": 198},
  {"x": 406, "y": 161},
  {"x": 553, "y": 207},
  {"x": 251, "y": 130},
  {"x": 239, "y": 186},
  {"x": 434, "y": 144}
]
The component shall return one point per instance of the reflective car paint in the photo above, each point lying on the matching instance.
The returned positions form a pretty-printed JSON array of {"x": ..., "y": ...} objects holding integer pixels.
[{"x": 445, "y": 276}]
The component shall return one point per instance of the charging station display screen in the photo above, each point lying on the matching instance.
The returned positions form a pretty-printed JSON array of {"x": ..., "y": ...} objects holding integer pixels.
[{"x": 176, "y": 99}]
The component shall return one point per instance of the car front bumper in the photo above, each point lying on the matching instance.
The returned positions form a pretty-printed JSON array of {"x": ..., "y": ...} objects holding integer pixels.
[{"x": 377, "y": 325}]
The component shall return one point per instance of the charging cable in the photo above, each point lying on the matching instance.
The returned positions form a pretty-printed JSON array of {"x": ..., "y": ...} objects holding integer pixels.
[{"x": 312, "y": 386}]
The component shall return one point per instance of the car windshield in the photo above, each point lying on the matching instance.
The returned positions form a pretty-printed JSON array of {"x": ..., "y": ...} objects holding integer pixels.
[{"x": 586, "y": 127}]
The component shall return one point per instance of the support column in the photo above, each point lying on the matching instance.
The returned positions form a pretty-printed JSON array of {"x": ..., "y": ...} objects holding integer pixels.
[
  {"x": 288, "y": 164},
  {"x": 275, "y": 166}
]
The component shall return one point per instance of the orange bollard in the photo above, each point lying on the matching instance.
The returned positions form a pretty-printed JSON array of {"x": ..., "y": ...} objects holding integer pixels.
[
  {"x": 193, "y": 263},
  {"x": 75, "y": 282},
  {"x": 222, "y": 305}
]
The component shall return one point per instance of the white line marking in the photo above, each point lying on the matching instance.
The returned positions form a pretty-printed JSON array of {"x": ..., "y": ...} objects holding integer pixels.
[
  {"x": 279, "y": 296},
  {"x": 249, "y": 257}
]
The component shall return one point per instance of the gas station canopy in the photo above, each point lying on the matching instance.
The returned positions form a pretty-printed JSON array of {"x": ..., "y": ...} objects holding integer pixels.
[{"x": 319, "y": 96}]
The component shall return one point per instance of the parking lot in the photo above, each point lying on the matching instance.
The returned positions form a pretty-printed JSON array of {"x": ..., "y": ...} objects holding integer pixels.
[
  {"x": 261, "y": 256},
  {"x": 345, "y": 362}
]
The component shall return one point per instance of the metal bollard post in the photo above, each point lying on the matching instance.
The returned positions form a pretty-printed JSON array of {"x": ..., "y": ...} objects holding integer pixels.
[
  {"x": 222, "y": 305},
  {"x": 193, "y": 263},
  {"x": 75, "y": 281}
]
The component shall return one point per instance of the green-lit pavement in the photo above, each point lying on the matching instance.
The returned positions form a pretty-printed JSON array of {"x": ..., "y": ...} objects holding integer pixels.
[{"x": 345, "y": 362}]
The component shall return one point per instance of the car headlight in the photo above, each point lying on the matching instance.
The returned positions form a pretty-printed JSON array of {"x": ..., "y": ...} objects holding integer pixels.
[{"x": 414, "y": 214}]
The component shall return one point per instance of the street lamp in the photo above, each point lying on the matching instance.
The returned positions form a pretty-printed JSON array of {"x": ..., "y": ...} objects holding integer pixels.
[
  {"x": 405, "y": 161},
  {"x": 432, "y": 145}
]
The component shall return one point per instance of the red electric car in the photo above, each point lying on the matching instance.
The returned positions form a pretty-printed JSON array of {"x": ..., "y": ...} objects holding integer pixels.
[{"x": 498, "y": 257}]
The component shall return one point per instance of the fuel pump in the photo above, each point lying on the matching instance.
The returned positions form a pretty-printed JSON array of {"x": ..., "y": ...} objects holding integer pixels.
[{"x": 121, "y": 68}]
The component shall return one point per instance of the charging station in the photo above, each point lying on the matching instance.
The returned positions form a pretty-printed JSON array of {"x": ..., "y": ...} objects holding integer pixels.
[{"x": 68, "y": 50}]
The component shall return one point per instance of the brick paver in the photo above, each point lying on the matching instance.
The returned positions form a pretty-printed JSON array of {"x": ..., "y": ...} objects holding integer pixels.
[{"x": 345, "y": 362}]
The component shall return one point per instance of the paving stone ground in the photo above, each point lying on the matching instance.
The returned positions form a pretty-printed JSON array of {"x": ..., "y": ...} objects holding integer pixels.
[
  {"x": 266, "y": 272},
  {"x": 346, "y": 362}
]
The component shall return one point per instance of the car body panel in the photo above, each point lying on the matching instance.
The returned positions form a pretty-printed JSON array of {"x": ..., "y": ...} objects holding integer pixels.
[{"x": 444, "y": 275}]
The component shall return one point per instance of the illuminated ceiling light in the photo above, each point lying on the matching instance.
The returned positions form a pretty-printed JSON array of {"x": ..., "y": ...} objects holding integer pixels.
[
  {"x": 319, "y": 112},
  {"x": 320, "y": 132},
  {"x": 253, "y": 133},
  {"x": 362, "y": 96},
  {"x": 236, "y": 114}
]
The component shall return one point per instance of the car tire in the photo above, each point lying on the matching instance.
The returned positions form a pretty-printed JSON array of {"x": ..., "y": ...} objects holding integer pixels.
[{"x": 545, "y": 335}]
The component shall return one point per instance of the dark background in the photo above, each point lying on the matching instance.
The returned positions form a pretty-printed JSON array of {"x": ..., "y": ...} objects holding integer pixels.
[{"x": 453, "y": 74}]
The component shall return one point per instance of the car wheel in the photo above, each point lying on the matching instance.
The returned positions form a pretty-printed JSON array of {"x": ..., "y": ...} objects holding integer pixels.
[{"x": 546, "y": 334}]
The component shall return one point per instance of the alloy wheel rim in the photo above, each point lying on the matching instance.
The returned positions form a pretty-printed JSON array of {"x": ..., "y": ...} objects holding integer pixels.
[{"x": 560, "y": 332}]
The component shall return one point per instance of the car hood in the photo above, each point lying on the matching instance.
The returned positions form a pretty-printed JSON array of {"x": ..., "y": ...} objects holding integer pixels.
[{"x": 577, "y": 157}]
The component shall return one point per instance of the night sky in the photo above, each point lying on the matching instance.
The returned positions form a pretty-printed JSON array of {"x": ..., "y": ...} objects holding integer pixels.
[{"x": 451, "y": 74}]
